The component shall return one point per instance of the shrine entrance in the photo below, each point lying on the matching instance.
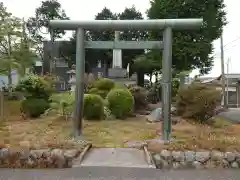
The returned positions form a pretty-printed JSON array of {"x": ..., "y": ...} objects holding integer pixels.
[{"x": 165, "y": 25}]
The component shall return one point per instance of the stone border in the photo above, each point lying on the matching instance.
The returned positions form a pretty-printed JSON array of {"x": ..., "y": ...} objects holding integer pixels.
[
  {"x": 196, "y": 160},
  {"x": 148, "y": 157},
  {"x": 44, "y": 158}
]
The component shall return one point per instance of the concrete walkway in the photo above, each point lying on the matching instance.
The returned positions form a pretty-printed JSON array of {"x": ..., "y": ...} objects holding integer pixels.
[
  {"x": 232, "y": 114},
  {"x": 118, "y": 173},
  {"x": 114, "y": 157}
]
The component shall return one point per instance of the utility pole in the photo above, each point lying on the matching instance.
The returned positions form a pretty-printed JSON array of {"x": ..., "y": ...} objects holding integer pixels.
[
  {"x": 228, "y": 61},
  {"x": 223, "y": 74}
]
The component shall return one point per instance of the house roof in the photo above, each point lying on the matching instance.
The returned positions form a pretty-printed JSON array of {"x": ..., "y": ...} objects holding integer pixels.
[{"x": 230, "y": 76}]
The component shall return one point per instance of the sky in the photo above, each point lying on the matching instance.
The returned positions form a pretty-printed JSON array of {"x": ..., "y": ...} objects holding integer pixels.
[{"x": 87, "y": 9}]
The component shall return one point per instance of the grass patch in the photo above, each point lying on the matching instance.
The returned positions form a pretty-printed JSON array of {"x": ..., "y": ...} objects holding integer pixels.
[
  {"x": 222, "y": 136},
  {"x": 46, "y": 132},
  {"x": 56, "y": 132},
  {"x": 116, "y": 133}
]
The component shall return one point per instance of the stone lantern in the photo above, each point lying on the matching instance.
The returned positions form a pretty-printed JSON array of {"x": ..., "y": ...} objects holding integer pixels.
[{"x": 72, "y": 78}]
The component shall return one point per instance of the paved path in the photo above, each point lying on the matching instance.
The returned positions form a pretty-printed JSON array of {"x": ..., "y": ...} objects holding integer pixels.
[
  {"x": 114, "y": 157},
  {"x": 232, "y": 114},
  {"x": 117, "y": 173}
]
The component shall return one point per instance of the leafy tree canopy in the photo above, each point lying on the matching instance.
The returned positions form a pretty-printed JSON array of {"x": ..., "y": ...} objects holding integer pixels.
[{"x": 191, "y": 49}]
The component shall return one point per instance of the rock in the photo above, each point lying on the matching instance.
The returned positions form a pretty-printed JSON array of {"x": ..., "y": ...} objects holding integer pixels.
[
  {"x": 4, "y": 152},
  {"x": 183, "y": 164},
  {"x": 176, "y": 165},
  {"x": 157, "y": 158},
  {"x": 160, "y": 162},
  {"x": 230, "y": 156},
  {"x": 71, "y": 153},
  {"x": 166, "y": 155},
  {"x": 190, "y": 156},
  {"x": 46, "y": 153},
  {"x": 56, "y": 153},
  {"x": 136, "y": 144},
  {"x": 197, "y": 165},
  {"x": 164, "y": 164},
  {"x": 210, "y": 164},
  {"x": 225, "y": 163},
  {"x": 203, "y": 156},
  {"x": 36, "y": 154},
  {"x": 178, "y": 156},
  {"x": 58, "y": 158},
  {"x": 237, "y": 157},
  {"x": 30, "y": 163},
  {"x": 24, "y": 155},
  {"x": 235, "y": 165},
  {"x": 155, "y": 115},
  {"x": 217, "y": 156}
]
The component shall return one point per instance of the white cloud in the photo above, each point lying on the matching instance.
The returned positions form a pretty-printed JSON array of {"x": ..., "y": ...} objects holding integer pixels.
[{"x": 86, "y": 10}]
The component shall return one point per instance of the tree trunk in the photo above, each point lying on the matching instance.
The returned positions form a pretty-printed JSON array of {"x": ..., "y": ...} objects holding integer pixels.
[
  {"x": 9, "y": 66},
  {"x": 140, "y": 79},
  {"x": 150, "y": 75}
]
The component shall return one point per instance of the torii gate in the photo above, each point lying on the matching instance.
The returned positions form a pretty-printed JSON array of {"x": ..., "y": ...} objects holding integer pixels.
[{"x": 167, "y": 25}]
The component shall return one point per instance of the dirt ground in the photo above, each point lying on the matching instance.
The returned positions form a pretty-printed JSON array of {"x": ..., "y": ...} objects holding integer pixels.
[
  {"x": 56, "y": 132},
  {"x": 221, "y": 136}
]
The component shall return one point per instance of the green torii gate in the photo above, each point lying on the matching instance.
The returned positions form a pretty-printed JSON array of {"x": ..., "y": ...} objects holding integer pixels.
[{"x": 167, "y": 25}]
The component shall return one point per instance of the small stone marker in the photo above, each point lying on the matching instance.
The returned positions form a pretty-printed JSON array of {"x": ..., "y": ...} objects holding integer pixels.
[{"x": 155, "y": 115}]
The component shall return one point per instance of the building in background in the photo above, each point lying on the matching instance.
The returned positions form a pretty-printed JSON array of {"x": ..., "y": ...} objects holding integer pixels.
[{"x": 4, "y": 79}]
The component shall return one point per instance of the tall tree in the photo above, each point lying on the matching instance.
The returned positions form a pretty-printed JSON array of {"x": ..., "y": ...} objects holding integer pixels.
[
  {"x": 49, "y": 10},
  {"x": 103, "y": 35},
  {"x": 191, "y": 49},
  {"x": 131, "y": 35},
  {"x": 68, "y": 49},
  {"x": 68, "y": 53},
  {"x": 10, "y": 43},
  {"x": 23, "y": 52}
]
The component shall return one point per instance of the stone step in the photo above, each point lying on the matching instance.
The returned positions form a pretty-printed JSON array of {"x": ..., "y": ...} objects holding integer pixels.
[{"x": 114, "y": 157}]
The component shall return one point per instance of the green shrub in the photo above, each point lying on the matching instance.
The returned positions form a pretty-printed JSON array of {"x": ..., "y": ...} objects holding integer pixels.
[
  {"x": 102, "y": 93},
  {"x": 63, "y": 103},
  {"x": 197, "y": 102},
  {"x": 93, "y": 107},
  {"x": 33, "y": 107},
  {"x": 33, "y": 86},
  {"x": 140, "y": 97},
  {"x": 104, "y": 84},
  {"x": 121, "y": 102}
]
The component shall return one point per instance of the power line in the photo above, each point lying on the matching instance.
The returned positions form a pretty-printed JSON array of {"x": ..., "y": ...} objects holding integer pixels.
[
  {"x": 232, "y": 41},
  {"x": 238, "y": 38}
]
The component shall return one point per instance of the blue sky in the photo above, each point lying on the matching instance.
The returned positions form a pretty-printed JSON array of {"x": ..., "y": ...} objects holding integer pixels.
[{"x": 86, "y": 10}]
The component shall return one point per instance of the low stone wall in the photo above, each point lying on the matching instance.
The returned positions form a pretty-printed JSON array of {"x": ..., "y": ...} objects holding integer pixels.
[
  {"x": 197, "y": 160},
  {"x": 45, "y": 158}
]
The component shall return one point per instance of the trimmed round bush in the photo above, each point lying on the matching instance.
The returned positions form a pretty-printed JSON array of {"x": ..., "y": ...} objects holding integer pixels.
[
  {"x": 33, "y": 107},
  {"x": 104, "y": 84},
  {"x": 102, "y": 93},
  {"x": 120, "y": 102},
  {"x": 93, "y": 107}
]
